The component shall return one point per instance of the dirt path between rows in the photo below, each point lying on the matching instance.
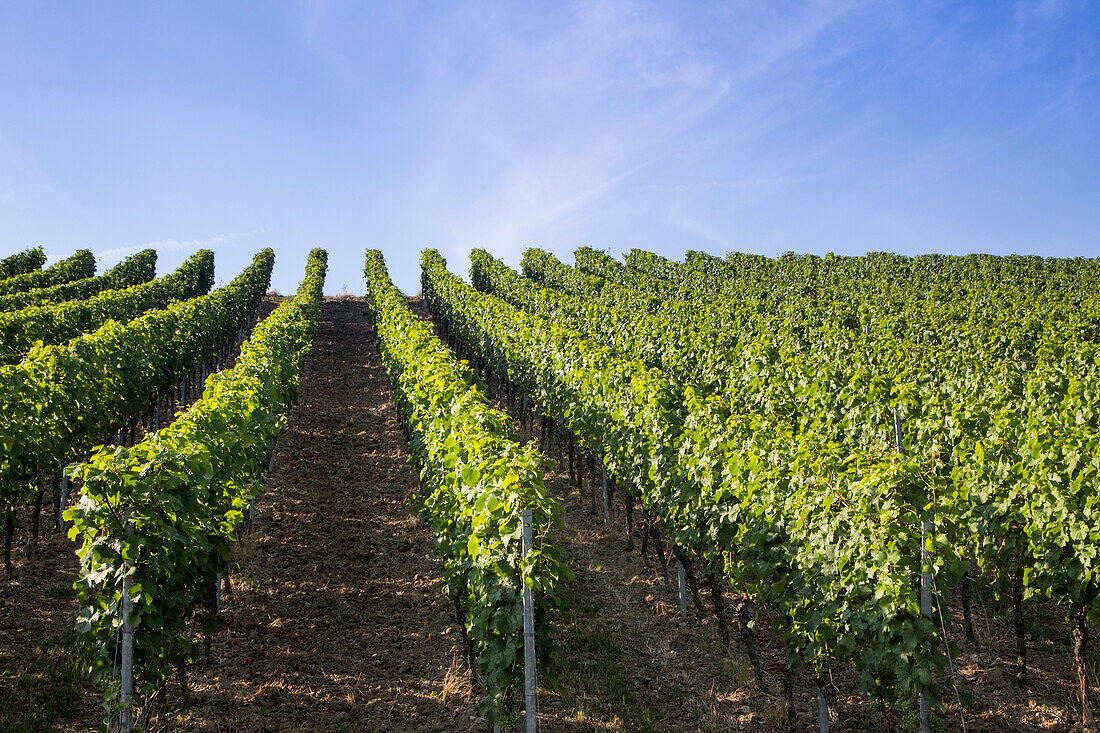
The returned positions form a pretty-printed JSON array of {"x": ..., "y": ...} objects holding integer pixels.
[{"x": 337, "y": 621}]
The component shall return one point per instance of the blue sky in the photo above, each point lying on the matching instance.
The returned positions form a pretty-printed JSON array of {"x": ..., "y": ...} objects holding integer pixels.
[{"x": 755, "y": 126}]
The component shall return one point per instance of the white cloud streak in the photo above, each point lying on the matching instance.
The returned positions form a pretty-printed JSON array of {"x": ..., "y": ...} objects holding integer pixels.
[
  {"x": 628, "y": 119},
  {"x": 171, "y": 245},
  {"x": 557, "y": 123}
]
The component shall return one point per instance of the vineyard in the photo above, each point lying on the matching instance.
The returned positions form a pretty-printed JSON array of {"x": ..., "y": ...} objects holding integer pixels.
[{"x": 737, "y": 493}]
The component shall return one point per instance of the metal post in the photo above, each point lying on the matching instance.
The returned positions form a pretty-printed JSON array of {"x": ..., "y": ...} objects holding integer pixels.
[
  {"x": 156, "y": 416},
  {"x": 218, "y": 594},
  {"x": 897, "y": 432},
  {"x": 64, "y": 500},
  {"x": 926, "y": 610},
  {"x": 822, "y": 710},
  {"x": 530, "y": 673},
  {"x": 606, "y": 507},
  {"x": 127, "y": 691},
  {"x": 682, "y": 576}
]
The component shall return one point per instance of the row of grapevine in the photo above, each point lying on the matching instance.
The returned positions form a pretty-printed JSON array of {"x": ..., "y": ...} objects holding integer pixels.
[
  {"x": 21, "y": 263},
  {"x": 547, "y": 270},
  {"x": 881, "y": 291},
  {"x": 1021, "y": 364},
  {"x": 819, "y": 535},
  {"x": 773, "y": 370},
  {"x": 878, "y": 294},
  {"x": 1003, "y": 425},
  {"x": 601, "y": 265},
  {"x": 475, "y": 483},
  {"x": 158, "y": 519},
  {"x": 958, "y": 275},
  {"x": 62, "y": 400},
  {"x": 77, "y": 267},
  {"x": 685, "y": 341},
  {"x": 55, "y": 323},
  {"x": 135, "y": 270}
]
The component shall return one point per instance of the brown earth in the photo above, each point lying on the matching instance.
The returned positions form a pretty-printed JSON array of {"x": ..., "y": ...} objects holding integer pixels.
[{"x": 337, "y": 619}]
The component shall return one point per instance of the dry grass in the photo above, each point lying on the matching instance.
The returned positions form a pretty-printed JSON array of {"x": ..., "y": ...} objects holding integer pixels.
[{"x": 456, "y": 683}]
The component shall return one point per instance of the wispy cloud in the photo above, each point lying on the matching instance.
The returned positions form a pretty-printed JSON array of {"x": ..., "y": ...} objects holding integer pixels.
[
  {"x": 172, "y": 245},
  {"x": 556, "y": 123},
  {"x": 1043, "y": 11}
]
